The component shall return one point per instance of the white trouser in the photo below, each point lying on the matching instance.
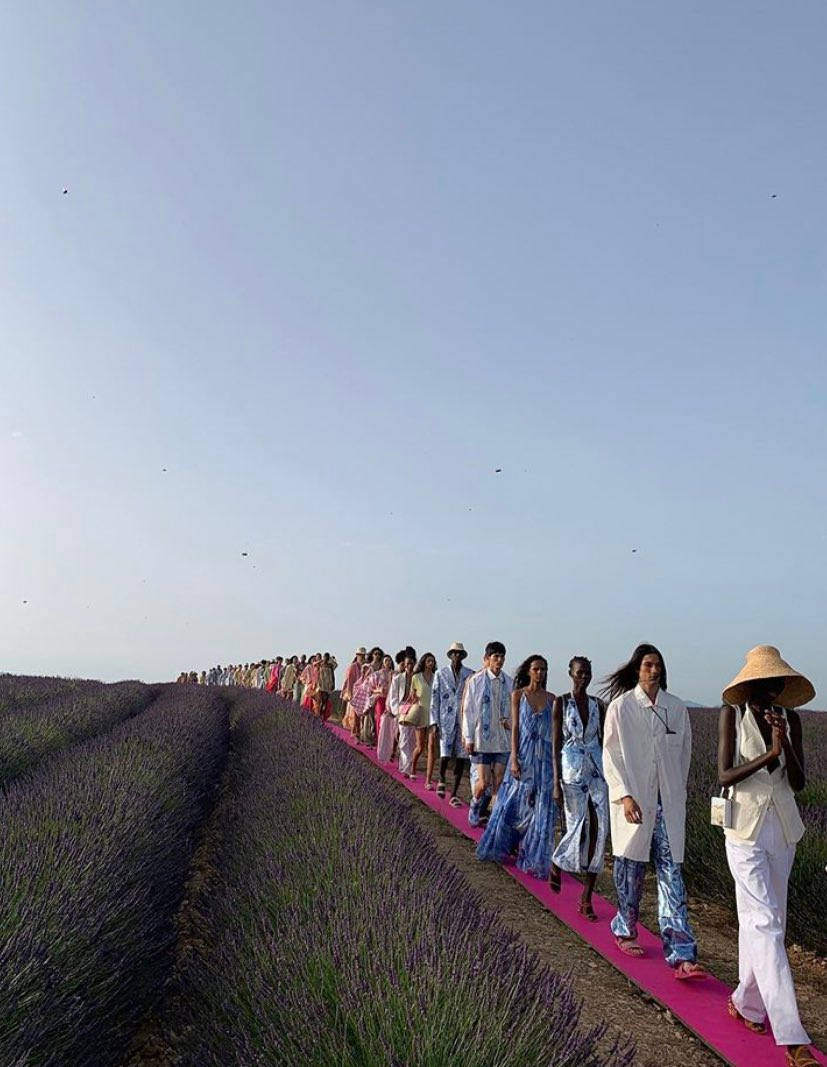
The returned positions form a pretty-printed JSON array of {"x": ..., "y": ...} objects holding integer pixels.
[
  {"x": 761, "y": 869},
  {"x": 407, "y": 744},
  {"x": 388, "y": 729}
]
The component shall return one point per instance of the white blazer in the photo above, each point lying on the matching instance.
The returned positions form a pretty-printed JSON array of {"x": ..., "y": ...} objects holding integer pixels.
[{"x": 641, "y": 759}]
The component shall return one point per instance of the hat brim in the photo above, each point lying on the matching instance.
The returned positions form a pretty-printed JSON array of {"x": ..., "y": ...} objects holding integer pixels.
[{"x": 797, "y": 689}]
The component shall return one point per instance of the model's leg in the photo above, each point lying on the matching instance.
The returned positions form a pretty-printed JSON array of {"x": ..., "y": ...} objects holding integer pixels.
[
  {"x": 433, "y": 737},
  {"x": 765, "y": 980},
  {"x": 628, "y": 879},
  {"x": 679, "y": 944}
]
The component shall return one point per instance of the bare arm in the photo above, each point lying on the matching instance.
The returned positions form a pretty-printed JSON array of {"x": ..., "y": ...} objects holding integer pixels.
[
  {"x": 557, "y": 746},
  {"x": 729, "y": 775},
  {"x": 794, "y": 752},
  {"x": 515, "y": 732}
]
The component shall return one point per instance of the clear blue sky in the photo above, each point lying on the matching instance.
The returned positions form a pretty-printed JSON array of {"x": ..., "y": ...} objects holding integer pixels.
[{"x": 331, "y": 264}]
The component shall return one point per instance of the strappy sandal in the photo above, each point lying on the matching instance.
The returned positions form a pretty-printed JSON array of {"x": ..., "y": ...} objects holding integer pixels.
[
  {"x": 429, "y": 786},
  {"x": 686, "y": 971},
  {"x": 584, "y": 908},
  {"x": 754, "y": 1028},
  {"x": 799, "y": 1056},
  {"x": 555, "y": 881},
  {"x": 629, "y": 946},
  {"x": 440, "y": 790},
  {"x": 455, "y": 802}
]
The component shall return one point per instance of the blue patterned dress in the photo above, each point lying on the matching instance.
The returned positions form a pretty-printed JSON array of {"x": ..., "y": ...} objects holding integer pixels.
[
  {"x": 523, "y": 817},
  {"x": 582, "y": 764}
]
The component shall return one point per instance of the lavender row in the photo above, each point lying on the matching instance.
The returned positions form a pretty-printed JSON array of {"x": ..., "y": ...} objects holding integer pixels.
[
  {"x": 337, "y": 934},
  {"x": 706, "y": 868},
  {"x": 94, "y": 851},
  {"x": 39, "y": 716}
]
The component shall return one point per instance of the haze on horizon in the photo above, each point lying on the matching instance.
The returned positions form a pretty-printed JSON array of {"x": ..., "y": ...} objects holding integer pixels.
[{"x": 321, "y": 269}]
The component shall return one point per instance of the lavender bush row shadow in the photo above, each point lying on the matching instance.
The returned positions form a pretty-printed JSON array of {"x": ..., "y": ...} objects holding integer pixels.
[
  {"x": 338, "y": 935},
  {"x": 706, "y": 868},
  {"x": 39, "y": 716},
  {"x": 95, "y": 847}
]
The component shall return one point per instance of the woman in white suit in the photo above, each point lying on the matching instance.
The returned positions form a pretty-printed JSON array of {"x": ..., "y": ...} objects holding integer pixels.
[{"x": 761, "y": 758}]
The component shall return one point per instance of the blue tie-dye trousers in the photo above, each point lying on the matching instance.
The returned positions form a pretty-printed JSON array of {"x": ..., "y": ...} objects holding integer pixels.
[{"x": 679, "y": 942}]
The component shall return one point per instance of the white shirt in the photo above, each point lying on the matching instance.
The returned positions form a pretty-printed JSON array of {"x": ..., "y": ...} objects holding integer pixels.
[
  {"x": 499, "y": 737},
  {"x": 642, "y": 760}
]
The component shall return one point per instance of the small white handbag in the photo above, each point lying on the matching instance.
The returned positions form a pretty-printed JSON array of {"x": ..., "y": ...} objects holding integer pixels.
[{"x": 721, "y": 810}]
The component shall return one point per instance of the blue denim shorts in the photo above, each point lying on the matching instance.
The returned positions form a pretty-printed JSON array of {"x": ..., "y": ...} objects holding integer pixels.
[{"x": 489, "y": 758}]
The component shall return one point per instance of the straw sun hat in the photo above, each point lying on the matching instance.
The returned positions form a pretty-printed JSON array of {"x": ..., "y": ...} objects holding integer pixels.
[
  {"x": 764, "y": 661},
  {"x": 457, "y": 646}
]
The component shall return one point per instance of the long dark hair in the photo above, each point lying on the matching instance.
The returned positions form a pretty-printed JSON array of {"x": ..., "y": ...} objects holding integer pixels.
[
  {"x": 627, "y": 676},
  {"x": 521, "y": 675},
  {"x": 420, "y": 667}
]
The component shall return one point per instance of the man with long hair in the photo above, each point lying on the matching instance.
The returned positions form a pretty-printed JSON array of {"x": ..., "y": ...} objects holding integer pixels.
[{"x": 647, "y": 748}]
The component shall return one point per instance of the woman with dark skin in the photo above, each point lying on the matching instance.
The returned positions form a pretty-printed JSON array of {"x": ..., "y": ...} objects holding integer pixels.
[
  {"x": 577, "y": 728},
  {"x": 761, "y": 759}
]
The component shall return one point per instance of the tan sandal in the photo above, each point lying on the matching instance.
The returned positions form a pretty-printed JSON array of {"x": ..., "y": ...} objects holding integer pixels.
[
  {"x": 799, "y": 1056},
  {"x": 754, "y": 1028},
  {"x": 629, "y": 946}
]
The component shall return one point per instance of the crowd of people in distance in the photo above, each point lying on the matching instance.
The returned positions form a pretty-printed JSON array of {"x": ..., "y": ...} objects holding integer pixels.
[
  {"x": 615, "y": 766},
  {"x": 309, "y": 680}
]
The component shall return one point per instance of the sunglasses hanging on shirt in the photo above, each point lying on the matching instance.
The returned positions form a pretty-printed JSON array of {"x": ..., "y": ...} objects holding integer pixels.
[{"x": 661, "y": 720}]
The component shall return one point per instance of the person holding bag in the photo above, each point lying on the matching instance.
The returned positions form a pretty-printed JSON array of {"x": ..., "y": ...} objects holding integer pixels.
[
  {"x": 353, "y": 676},
  {"x": 418, "y": 712},
  {"x": 760, "y": 757},
  {"x": 401, "y": 703}
]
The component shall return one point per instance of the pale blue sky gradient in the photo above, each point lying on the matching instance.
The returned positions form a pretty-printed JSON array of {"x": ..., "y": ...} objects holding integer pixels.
[{"x": 331, "y": 264}]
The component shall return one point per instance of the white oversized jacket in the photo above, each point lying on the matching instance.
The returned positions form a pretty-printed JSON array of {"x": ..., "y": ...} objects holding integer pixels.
[{"x": 642, "y": 760}]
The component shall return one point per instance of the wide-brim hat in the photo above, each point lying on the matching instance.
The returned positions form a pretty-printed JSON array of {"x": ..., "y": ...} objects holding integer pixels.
[
  {"x": 764, "y": 662},
  {"x": 361, "y": 651},
  {"x": 457, "y": 646}
]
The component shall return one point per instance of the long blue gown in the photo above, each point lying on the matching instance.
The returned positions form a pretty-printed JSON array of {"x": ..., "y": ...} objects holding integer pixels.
[{"x": 523, "y": 817}]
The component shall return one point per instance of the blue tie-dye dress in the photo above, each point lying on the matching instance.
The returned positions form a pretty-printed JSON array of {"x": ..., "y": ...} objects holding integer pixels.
[
  {"x": 581, "y": 762},
  {"x": 523, "y": 818}
]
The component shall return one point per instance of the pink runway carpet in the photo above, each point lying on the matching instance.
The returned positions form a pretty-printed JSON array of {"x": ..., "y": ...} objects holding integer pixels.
[{"x": 699, "y": 1004}]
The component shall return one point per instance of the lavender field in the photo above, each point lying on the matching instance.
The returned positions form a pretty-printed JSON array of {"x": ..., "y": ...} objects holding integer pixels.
[
  {"x": 95, "y": 847},
  {"x": 39, "y": 716},
  {"x": 336, "y": 935},
  {"x": 179, "y": 888}
]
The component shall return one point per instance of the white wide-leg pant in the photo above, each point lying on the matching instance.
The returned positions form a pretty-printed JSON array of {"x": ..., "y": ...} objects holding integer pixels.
[
  {"x": 388, "y": 730},
  {"x": 761, "y": 870},
  {"x": 407, "y": 744}
]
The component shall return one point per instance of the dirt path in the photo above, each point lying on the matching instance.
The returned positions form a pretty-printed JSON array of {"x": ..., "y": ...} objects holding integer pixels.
[{"x": 607, "y": 995}]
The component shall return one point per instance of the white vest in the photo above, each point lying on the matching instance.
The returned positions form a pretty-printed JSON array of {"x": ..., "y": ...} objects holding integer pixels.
[{"x": 752, "y": 797}]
